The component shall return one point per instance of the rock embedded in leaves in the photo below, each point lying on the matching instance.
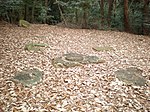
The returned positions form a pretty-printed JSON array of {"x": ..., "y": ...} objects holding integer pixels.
[
  {"x": 23, "y": 23},
  {"x": 92, "y": 59},
  {"x": 28, "y": 77},
  {"x": 105, "y": 48},
  {"x": 74, "y": 59},
  {"x": 34, "y": 46},
  {"x": 131, "y": 76}
]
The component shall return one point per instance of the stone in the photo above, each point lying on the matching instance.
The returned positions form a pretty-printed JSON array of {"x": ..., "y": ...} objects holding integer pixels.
[
  {"x": 23, "y": 23},
  {"x": 74, "y": 59},
  {"x": 28, "y": 77},
  {"x": 105, "y": 48},
  {"x": 91, "y": 59},
  {"x": 131, "y": 76},
  {"x": 68, "y": 64},
  {"x": 60, "y": 62},
  {"x": 34, "y": 46}
]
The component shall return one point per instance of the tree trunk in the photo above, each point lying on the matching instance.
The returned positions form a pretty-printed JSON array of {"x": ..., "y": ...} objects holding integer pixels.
[
  {"x": 46, "y": 6},
  {"x": 33, "y": 9},
  {"x": 61, "y": 14},
  {"x": 110, "y": 12},
  {"x": 76, "y": 15},
  {"x": 85, "y": 16},
  {"x": 101, "y": 3},
  {"x": 146, "y": 16},
  {"x": 126, "y": 16}
]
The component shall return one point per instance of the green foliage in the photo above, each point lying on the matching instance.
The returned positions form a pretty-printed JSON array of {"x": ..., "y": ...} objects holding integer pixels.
[
  {"x": 78, "y": 12},
  {"x": 117, "y": 19},
  {"x": 42, "y": 16},
  {"x": 9, "y": 9},
  {"x": 136, "y": 17}
]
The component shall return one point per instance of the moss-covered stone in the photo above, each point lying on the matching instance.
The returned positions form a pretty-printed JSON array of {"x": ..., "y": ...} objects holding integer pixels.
[
  {"x": 58, "y": 62},
  {"x": 131, "y": 76},
  {"x": 23, "y": 23},
  {"x": 92, "y": 59},
  {"x": 105, "y": 48},
  {"x": 34, "y": 46},
  {"x": 28, "y": 77},
  {"x": 74, "y": 59}
]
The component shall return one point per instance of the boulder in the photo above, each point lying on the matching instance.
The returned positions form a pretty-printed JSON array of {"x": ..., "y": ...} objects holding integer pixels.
[
  {"x": 131, "y": 76},
  {"x": 23, "y": 23},
  {"x": 28, "y": 77},
  {"x": 74, "y": 59}
]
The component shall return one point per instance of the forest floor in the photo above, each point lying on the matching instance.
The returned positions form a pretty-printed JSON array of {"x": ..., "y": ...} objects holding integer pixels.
[{"x": 87, "y": 88}]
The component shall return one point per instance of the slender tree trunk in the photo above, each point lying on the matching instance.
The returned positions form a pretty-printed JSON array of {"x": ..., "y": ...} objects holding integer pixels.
[
  {"x": 85, "y": 16},
  {"x": 46, "y": 6},
  {"x": 61, "y": 14},
  {"x": 76, "y": 15},
  {"x": 115, "y": 3},
  {"x": 33, "y": 9},
  {"x": 126, "y": 16},
  {"x": 101, "y": 3},
  {"x": 146, "y": 17},
  {"x": 110, "y": 12}
]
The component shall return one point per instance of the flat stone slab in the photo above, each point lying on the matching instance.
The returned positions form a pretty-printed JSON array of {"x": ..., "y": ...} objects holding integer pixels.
[
  {"x": 28, "y": 77},
  {"x": 131, "y": 76},
  {"x": 74, "y": 59},
  {"x": 34, "y": 46},
  {"x": 104, "y": 48}
]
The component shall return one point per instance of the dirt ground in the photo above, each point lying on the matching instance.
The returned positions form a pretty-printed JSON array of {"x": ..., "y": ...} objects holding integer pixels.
[{"x": 87, "y": 88}]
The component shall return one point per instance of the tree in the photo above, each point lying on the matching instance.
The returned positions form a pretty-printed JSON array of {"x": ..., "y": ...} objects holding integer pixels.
[
  {"x": 85, "y": 7},
  {"x": 33, "y": 10},
  {"x": 110, "y": 12},
  {"x": 60, "y": 3},
  {"x": 126, "y": 16},
  {"x": 101, "y": 3},
  {"x": 46, "y": 10},
  {"x": 146, "y": 16}
]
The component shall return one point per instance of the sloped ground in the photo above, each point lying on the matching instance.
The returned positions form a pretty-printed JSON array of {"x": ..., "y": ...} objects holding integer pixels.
[{"x": 87, "y": 88}]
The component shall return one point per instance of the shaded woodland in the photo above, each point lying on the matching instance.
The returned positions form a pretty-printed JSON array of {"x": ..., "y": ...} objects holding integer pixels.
[
  {"x": 128, "y": 15},
  {"x": 51, "y": 59}
]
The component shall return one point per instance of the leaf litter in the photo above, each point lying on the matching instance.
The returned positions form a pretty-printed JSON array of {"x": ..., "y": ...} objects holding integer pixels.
[{"x": 86, "y": 88}]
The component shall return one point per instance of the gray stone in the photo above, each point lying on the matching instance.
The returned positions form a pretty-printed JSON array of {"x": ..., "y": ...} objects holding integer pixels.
[
  {"x": 91, "y": 59},
  {"x": 131, "y": 76},
  {"x": 34, "y": 46},
  {"x": 28, "y": 77},
  {"x": 74, "y": 59},
  {"x": 105, "y": 48}
]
